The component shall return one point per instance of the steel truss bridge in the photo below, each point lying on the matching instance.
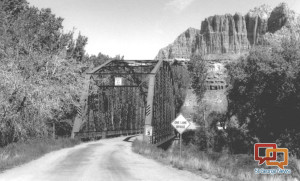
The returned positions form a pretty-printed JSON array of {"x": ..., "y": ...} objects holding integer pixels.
[{"x": 127, "y": 97}]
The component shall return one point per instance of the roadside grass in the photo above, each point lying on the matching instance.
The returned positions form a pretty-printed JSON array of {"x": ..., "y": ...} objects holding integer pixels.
[
  {"x": 22, "y": 152},
  {"x": 221, "y": 165}
]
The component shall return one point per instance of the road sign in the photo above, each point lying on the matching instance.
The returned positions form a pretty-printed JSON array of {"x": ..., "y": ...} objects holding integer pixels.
[
  {"x": 118, "y": 81},
  {"x": 180, "y": 124},
  {"x": 148, "y": 130}
]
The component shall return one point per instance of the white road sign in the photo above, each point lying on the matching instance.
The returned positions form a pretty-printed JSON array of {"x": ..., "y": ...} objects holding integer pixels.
[
  {"x": 118, "y": 81},
  {"x": 181, "y": 124}
]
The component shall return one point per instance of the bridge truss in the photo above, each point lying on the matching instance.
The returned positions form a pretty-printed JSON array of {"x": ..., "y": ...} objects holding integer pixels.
[{"x": 126, "y": 97}]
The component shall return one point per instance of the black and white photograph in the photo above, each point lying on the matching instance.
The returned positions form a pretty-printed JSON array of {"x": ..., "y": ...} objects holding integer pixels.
[{"x": 149, "y": 90}]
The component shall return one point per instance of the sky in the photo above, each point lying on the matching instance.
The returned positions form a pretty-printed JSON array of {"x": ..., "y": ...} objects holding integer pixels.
[{"x": 137, "y": 29}]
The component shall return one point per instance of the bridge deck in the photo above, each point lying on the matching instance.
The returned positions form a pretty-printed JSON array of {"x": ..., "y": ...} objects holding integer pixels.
[{"x": 103, "y": 134}]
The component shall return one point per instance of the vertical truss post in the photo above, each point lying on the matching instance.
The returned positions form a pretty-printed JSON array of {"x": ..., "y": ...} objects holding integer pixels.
[
  {"x": 150, "y": 99},
  {"x": 149, "y": 107}
]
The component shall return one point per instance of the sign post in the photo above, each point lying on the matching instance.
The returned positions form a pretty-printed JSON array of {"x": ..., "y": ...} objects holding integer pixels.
[
  {"x": 180, "y": 140},
  {"x": 180, "y": 124}
]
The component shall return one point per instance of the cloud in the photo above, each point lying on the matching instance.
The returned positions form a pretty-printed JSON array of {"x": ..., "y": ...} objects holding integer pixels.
[{"x": 178, "y": 5}]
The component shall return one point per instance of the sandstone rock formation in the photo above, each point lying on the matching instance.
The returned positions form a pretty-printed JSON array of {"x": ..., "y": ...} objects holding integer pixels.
[
  {"x": 222, "y": 34},
  {"x": 229, "y": 34},
  {"x": 257, "y": 23},
  {"x": 181, "y": 47}
]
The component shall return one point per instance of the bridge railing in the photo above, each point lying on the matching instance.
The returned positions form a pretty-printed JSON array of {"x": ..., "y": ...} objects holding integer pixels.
[{"x": 98, "y": 134}]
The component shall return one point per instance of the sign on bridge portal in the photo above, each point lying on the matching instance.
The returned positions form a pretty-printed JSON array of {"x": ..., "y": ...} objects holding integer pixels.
[
  {"x": 148, "y": 130},
  {"x": 181, "y": 124},
  {"x": 118, "y": 81}
]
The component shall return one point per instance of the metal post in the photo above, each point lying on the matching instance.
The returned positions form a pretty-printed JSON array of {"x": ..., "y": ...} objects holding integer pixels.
[
  {"x": 180, "y": 135},
  {"x": 149, "y": 107}
]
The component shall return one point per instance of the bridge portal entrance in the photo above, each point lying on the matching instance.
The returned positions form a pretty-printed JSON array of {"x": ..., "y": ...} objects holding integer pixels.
[{"x": 123, "y": 97}]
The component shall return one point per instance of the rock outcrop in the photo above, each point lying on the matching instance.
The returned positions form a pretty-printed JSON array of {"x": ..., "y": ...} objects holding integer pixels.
[
  {"x": 222, "y": 34},
  {"x": 229, "y": 34},
  {"x": 257, "y": 23},
  {"x": 181, "y": 47}
]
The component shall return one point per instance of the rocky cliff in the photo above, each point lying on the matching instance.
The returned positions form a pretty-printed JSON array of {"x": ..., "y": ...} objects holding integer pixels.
[
  {"x": 229, "y": 34},
  {"x": 181, "y": 47},
  {"x": 257, "y": 23},
  {"x": 222, "y": 34}
]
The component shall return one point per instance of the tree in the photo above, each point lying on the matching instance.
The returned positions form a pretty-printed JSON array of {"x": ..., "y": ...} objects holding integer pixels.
[
  {"x": 119, "y": 57},
  {"x": 25, "y": 29},
  {"x": 198, "y": 73},
  {"x": 38, "y": 84},
  {"x": 79, "y": 50},
  {"x": 100, "y": 59},
  {"x": 264, "y": 92},
  {"x": 182, "y": 83}
]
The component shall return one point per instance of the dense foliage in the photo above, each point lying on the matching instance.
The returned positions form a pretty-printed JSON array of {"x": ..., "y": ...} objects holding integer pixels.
[
  {"x": 263, "y": 98},
  {"x": 198, "y": 72},
  {"x": 182, "y": 81},
  {"x": 40, "y": 71},
  {"x": 265, "y": 93}
]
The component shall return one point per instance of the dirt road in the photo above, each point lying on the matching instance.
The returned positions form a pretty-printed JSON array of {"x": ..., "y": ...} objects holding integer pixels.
[{"x": 104, "y": 160}]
